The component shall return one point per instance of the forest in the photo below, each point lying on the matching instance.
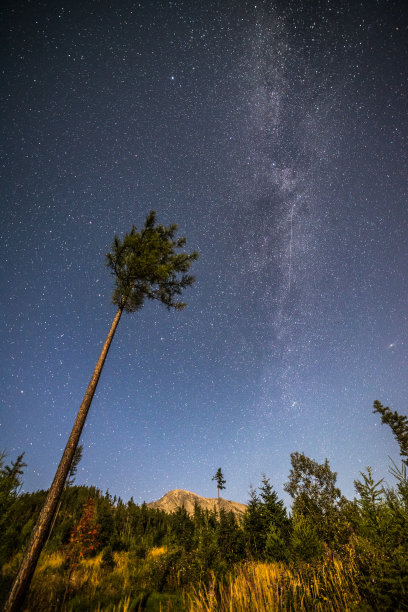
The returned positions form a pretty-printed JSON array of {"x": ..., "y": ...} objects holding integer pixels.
[{"x": 327, "y": 553}]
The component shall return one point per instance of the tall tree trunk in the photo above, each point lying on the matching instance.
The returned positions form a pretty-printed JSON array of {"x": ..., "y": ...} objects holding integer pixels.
[
  {"x": 41, "y": 529},
  {"x": 54, "y": 519}
]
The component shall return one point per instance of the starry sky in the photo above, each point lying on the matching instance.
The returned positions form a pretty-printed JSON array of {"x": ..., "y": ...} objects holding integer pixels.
[{"x": 275, "y": 134}]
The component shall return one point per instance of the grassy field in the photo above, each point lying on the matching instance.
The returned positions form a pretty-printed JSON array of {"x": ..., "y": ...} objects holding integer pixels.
[{"x": 261, "y": 587}]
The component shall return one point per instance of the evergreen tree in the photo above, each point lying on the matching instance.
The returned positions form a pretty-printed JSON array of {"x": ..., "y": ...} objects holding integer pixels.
[
  {"x": 219, "y": 478},
  {"x": 105, "y": 517},
  {"x": 266, "y": 524},
  {"x": 206, "y": 541},
  {"x": 122, "y": 523},
  {"x": 74, "y": 466},
  {"x": 108, "y": 562},
  {"x": 253, "y": 525},
  {"x": 145, "y": 265},
  {"x": 305, "y": 542},
  {"x": 399, "y": 426},
  {"x": 230, "y": 542},
  {"x": 273, "y": 508},
  {"x": 370, "y": 504},
  {"x": 275, "y": 522},
  {"x": 182, "y": 528},
  {"x": 10, "y": 481}
]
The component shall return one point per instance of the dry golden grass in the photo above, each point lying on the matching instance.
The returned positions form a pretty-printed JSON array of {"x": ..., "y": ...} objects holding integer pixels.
[
  {"x": 262, "y": 587},
  {"x": 156, "y": 552},
  {"x": 50, "y": 580},
  {"x": 330, "y": 586},
  {"x": 10, "y": 568},
  {"x": 52, "y": 562}
]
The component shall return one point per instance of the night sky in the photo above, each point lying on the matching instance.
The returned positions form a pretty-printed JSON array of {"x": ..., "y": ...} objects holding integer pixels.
[{"x": 275, "y": 135}]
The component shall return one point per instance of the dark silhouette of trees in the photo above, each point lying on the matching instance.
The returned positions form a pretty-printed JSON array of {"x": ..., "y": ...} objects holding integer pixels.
[
  {"x": 145, "y": 265},
  {"x": 364, "y": 540}
]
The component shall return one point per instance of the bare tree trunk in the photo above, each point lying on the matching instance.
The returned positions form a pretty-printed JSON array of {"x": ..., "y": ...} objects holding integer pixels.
[
  {"x": 54, "y": 518},
  {"x": 39, "y": 535}
]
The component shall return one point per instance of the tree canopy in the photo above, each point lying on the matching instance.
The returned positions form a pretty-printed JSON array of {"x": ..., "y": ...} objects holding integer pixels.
[
  {"x": 312, "y": 486},
  {"x": 145, "y": 264}
]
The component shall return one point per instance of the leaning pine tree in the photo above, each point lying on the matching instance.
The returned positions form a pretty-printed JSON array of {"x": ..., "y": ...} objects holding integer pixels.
[{"x": 145, "y": 264}]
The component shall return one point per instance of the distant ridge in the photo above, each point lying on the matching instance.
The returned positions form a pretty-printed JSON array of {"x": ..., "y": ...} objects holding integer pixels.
[{"x": 179, "y": 497}]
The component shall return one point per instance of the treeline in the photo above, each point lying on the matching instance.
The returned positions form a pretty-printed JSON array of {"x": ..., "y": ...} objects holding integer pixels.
[{"x": 166, "y": 553}]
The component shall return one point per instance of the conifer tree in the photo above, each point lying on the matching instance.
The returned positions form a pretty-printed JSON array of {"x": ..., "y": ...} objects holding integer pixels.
[
  {"x": 219, "y": 478},
  {"x": 10, "y": 481},
  {"x": 145, "y": 265},
  {"x": 265, "y": 518},
  {"x": 253, "y": 525},
  {"x": 399, "y": 426},
  {"x": 273, "y": 509},
  {"x": 230, "y": 542},
  {"x": 370, "y": 504}
]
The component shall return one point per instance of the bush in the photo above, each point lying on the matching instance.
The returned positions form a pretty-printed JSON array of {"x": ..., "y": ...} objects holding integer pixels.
[
  {"x": 305, "y": 543},
  {"x": 108, "y": 562}
]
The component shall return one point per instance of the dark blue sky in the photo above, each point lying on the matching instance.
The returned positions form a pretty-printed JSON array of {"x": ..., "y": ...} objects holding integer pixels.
[{"x": 275, "y": 135}]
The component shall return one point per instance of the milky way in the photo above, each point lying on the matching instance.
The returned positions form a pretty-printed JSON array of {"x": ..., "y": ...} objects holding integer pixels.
[{"x": 275, "y": 135}]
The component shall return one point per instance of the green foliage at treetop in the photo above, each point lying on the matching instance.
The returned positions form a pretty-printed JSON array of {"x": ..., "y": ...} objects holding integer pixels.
[
  {"x": 219, "y": 479},
  {"x": 145, "y": 264},
  {"x": 399, "y": 426}
]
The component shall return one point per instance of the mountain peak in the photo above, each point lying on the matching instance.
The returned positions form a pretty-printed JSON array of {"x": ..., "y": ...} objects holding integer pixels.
[{"x": 177, "y": 498}]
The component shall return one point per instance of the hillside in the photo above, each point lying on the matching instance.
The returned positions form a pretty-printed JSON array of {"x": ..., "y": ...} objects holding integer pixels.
[{"x": 179, "y": 497}]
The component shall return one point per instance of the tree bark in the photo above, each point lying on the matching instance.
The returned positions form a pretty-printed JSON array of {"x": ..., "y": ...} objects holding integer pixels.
[{"x": 39, "y": 535}]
